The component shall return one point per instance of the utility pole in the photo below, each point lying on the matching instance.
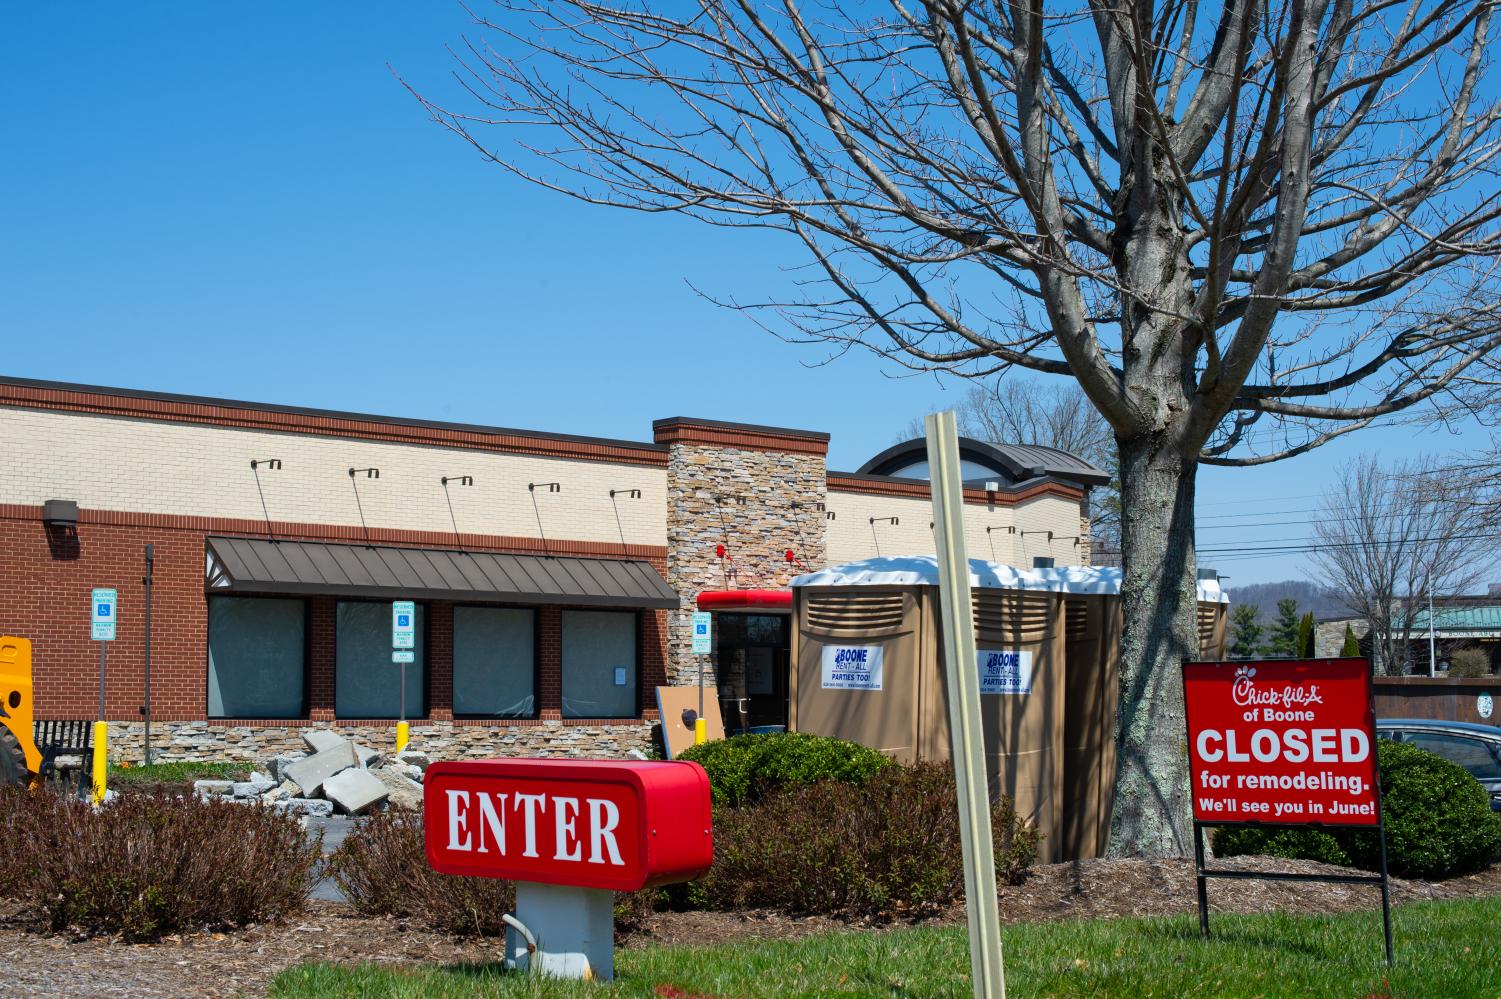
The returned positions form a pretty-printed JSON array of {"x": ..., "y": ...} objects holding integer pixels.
[{"x": 1432, "y": 659}]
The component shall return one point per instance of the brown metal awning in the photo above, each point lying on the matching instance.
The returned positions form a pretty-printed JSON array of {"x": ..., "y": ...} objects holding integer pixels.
[{"x": 264, "y": 566}]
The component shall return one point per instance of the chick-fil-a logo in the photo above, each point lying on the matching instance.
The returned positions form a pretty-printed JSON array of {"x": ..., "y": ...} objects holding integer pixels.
[{"x": 1246, "y": 694}]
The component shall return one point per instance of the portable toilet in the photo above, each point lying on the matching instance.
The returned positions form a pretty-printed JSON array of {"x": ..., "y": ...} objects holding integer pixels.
[{"x": 868, "y": 667}]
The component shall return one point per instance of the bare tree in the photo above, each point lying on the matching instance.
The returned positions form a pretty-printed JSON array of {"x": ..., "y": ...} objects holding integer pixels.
[
  {"x": 1053, "y": 414},
  {"x": 1244, "y": 228},
  {"x": 1389, "y": 538}
]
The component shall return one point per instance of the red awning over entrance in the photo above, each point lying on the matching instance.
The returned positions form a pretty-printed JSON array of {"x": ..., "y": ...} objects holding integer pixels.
[{"x": 752, "y": 600}]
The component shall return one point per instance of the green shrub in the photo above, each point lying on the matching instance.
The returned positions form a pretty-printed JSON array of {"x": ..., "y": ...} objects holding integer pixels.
[
  {"x": 1469, "y": 663},
  {"x": 1439, "y": 823},
  {"x": 884, "y": 848},
  {"x": 744, "y": 767},
  {"x": 147, "y": 865},
  {"x": 382, "y": 869}
]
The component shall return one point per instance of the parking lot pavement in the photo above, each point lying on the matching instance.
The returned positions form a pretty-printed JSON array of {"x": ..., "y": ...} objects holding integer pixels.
[{"x": 334, "y": 830}]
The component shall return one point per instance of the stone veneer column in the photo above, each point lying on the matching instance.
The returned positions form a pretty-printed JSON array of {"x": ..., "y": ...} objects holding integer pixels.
[{"x": 759, "y": 491}]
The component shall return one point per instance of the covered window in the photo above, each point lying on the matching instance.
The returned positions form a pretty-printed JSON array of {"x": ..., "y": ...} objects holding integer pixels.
[
  {"x": 599, "y": 664},
  {"x": 257, "y": 658},
  {"x": 366, "y": 683},
  {"x": 494, "y": 662}
]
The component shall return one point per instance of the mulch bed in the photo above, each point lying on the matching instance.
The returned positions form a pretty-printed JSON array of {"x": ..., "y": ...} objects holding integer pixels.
[{"x": 242, "y": 963}]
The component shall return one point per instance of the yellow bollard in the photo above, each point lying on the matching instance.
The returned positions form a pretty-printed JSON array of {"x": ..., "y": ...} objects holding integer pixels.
[
  {"x": 700, "y": 732},
  {"x": 403, "y": 736},
  {"x": 101, "y": 759}
]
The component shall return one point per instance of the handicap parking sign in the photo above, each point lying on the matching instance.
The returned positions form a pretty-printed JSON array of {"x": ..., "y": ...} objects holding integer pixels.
[
  {"x": 403, "y": 624},
  {"x": 703, "y": 633},
  {"x": 102, "y": 620}
]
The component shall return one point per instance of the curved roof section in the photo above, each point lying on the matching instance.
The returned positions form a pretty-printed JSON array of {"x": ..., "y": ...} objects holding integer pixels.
[{"x": 1011, "y": 463}]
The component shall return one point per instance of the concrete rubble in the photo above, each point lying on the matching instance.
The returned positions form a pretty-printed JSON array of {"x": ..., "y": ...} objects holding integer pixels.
[
  {"x": 334, "y": 775},
  {"x": 355, "y": 791}
]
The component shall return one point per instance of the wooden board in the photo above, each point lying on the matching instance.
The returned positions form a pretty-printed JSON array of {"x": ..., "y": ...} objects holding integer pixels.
[{"x": 672, "y": 702}]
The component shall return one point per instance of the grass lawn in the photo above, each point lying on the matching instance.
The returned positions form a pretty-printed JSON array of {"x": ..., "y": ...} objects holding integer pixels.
[
  {"x": 176, "y": 773},
  {"x": 1448, "y": 949}
]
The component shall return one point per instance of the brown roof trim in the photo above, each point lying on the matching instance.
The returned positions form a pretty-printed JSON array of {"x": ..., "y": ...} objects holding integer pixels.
[
  {"x": 747, "y": 436},
  {"x": 880, "y": 485},
  {"x": 137, "y": 404},
  {"x": 289, "y": 531}
]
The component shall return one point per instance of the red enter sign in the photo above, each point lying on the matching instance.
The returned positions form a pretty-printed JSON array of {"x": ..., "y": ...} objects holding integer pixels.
[
  {"x": 1285, "y": 742},
  {"x": 610, "y": 824}
]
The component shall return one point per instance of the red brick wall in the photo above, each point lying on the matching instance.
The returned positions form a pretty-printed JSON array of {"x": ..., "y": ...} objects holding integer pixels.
[{"x": 45, "y": 597}]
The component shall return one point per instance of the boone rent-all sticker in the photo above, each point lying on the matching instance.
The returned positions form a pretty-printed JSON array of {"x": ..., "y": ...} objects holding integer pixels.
[{"x": 852, "y": 667}]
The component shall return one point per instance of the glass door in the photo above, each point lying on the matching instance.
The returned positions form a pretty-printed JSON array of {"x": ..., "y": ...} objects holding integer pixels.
[{"x": 754, "y": 654}]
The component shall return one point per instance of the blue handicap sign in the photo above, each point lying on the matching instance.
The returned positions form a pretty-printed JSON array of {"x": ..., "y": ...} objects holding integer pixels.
[
  {"x": 104, "y": 610},
  {"x": 403, "y": 620}
]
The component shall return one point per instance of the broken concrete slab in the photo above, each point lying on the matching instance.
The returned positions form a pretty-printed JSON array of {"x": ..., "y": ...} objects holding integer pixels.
[
  {"x": 255, "y": 786},
  {"x": 305, "y": 806},
  {"x": 319, "y": 739},
  {"x": 405, "y": 793},
  {"x": 278, "y": 764},
  {"x": 310, "y": 772},
  {"x": 355, "y": 791},
  {"x": 414, "y": 758},
  {"x": 214, "y": 788},
  {"x": 282, "y": 792},
  {"x": 368, "y": 757}
]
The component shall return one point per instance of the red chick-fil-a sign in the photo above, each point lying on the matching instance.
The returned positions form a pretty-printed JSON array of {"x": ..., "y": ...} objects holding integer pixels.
[
  {"x": 1285, "y": 742},
  {"x": 605, "y": 824}
]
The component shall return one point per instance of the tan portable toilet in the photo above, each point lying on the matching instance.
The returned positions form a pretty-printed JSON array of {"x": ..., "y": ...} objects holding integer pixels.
[
  {"x": 1020, "y": 656},
  {"x": 828, "y": 696},
  {"x": 1092, "y": 634},
  {"x": 1211, "y": 618}
]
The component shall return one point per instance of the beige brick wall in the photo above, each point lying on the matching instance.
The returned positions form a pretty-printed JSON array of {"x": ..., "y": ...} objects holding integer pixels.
[
  {"x": 851, "y": 536},
  {"x": 110, "y": 463}
]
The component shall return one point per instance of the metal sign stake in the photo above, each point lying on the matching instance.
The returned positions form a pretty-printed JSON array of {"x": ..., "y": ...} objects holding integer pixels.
[{"x": 703, "y": 647}]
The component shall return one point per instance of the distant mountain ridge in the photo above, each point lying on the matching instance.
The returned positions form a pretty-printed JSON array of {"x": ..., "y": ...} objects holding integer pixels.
[{"x": 1310, "y": 597}]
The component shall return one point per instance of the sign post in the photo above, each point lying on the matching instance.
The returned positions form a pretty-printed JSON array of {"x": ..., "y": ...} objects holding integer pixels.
[
  {"x": 570, "y": 833},
  {"x": 103, "y": 603},
  {"x": 403, "y": 651},
  {"x": 962, "y": 681},
  {"x": 703, "y": 645},
  {"x": 1284, "y": 743}
]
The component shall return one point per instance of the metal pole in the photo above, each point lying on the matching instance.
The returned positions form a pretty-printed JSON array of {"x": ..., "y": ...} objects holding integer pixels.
[
  {"x": 1432, "y": 659},
  {"x": 962, "y": 679},
  {"x": 146, "y": 708},
  {"x": 101, "y": 679},
  {"x": 1203, "y": 885}
]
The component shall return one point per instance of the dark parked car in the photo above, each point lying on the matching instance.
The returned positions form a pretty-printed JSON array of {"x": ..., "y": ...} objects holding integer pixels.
[{"x": 1477, "y": 748}]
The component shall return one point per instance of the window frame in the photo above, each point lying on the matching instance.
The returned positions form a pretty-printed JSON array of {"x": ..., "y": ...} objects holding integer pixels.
[
  {"x": 427, "y": 669},
  {"x": 307, "y": 654},
  {"x": 536, "y": 662},
  {"x": 636, "y": 709}
]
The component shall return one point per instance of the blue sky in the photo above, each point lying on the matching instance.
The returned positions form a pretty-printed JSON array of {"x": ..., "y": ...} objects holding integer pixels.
[{"x": 244, "y": 202}]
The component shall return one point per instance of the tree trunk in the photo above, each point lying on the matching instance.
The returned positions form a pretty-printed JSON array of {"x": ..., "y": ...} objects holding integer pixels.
[{"x": 1159, "y": 597}]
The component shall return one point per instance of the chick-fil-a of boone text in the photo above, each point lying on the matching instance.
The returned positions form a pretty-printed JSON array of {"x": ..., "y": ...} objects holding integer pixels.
[{"x": 1282, "y": 742}]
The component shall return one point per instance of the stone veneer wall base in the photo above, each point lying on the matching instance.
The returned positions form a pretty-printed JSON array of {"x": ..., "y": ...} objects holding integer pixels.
[{"x": 203, "y": 741}]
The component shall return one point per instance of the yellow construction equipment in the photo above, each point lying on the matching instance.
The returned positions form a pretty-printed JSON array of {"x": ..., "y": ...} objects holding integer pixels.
[{"x": 20, "y": 760}]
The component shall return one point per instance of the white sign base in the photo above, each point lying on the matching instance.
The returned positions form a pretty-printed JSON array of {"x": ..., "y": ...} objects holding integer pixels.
[{"x": 574, "y": 929}]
